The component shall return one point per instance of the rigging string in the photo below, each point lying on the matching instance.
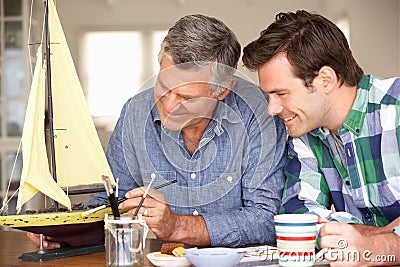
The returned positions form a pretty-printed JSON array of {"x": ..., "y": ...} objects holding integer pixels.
[{"x": 6, "y": 198}]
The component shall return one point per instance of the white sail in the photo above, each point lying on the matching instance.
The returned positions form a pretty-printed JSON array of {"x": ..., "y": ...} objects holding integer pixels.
[
  {"x": 80, "y": 159},
  {"x": 35, "y": 175}
]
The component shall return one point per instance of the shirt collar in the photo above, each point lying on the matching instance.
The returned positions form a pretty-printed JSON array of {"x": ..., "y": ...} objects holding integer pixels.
[{"x": 355, "y": 119}]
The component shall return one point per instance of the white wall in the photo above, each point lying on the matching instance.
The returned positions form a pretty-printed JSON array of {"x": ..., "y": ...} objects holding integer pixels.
[{"x": 375, "y": 33}]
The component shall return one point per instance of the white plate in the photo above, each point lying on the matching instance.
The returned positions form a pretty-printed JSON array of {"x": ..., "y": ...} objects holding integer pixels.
[{"x": 167, "y": 261}]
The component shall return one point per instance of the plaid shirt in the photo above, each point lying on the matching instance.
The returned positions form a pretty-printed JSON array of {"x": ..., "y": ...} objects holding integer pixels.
[{"x": 367, "y": 190}]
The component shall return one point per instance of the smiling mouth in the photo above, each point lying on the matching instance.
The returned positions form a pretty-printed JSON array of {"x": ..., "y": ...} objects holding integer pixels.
[
  {"x": 174, "y": 115},
  {"x": 289, "y": 119}
]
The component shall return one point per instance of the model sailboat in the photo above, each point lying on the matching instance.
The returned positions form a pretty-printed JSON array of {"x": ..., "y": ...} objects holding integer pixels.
[{"x": 77, "y": 157}]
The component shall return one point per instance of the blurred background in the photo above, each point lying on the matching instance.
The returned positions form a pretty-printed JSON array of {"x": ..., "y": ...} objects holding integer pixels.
[{"x": 114, "y": 44}]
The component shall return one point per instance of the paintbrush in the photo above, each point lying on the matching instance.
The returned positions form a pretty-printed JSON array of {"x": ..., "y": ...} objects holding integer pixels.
[
  {"x": 153, "y": 177},
  {"x": 111, "y": 196}
]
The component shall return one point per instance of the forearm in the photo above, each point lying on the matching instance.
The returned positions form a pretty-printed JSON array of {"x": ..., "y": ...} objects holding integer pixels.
[
  {"x": 369, "y": 230},
  {"x": 191, "y": 230},
  {"x": 373, "y": 230},
  {"x": 384, "y": 250}
]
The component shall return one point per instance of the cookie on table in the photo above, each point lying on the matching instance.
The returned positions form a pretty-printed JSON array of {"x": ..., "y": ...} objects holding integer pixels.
[
  {"x": 179, "y": 251},
  {"x": 167, "y": 248}
]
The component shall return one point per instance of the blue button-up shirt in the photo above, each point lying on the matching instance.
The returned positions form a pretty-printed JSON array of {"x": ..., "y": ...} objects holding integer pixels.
[{"x": 234, "y": 179}]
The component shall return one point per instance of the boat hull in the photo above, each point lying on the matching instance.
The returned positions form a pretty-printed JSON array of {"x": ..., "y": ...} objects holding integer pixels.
[
  {"x": 74, "y": 235},
  {"x": 67, "y": 228}
]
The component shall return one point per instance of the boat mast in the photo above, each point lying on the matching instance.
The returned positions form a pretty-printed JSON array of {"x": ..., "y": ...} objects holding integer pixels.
[{"x": 49, "y": 97}]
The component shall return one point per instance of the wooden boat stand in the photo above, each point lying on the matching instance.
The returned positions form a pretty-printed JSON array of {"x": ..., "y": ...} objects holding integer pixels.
[{"x": 63, "y": 252}]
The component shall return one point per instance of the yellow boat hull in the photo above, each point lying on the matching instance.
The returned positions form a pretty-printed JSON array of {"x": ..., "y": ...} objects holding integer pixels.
[
  {"x": 56, "y": 218},
  {"x": 68, "y": 228}
]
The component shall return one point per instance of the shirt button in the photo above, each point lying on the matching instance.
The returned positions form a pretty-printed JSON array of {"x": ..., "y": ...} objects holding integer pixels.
[
  {"x": 368, "y": 216},
  {"x": 193, "y": 175},
  {"x": 195, "y": 213},
  {"x": 229, "y": 178}
]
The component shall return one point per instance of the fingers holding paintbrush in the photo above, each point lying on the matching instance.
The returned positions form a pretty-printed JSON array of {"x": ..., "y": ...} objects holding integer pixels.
[
  {"x": 154, "y": 209},
  {"x": 153, "y": 177},
  {"x": 143, "y": 205},
  {"x": 135, "y": 198}
]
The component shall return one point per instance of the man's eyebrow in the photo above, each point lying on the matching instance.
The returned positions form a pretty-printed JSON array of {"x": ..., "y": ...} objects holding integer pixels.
[
  {"x": 277, "y": 90},
  {"x": 161, "y": 82}
]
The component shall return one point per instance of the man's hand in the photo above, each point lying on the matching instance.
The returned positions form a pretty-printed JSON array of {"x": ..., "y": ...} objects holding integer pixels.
[
  {"x": 346, "y": 246},
  {"x": 47, "y": 243},
  {"x": 165, "y": 224},
  {"x": 155, "y": 210}
]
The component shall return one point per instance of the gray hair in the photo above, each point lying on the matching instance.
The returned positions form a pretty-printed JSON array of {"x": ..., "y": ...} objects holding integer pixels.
[{"x": 195, "y": 41}]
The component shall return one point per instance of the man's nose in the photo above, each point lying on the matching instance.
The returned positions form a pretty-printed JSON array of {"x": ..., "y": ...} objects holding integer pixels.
[
  {"x": 170, "y": 101},
  {"x": 274, "y": 106}
]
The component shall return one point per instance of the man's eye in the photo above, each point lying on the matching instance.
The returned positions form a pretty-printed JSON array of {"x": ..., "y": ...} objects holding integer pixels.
[{"x": 186, "y": 97}]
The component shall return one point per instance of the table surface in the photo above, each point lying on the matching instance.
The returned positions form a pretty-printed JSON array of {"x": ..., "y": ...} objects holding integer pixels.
[{"x": 15, "y": 243}]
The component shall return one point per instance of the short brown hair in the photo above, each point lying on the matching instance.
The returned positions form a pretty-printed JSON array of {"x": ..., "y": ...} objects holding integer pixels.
[{"x": 310, "y": 41}]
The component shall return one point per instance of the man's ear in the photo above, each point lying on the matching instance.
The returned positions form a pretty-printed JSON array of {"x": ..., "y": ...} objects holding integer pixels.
[
  {"x": 327, "y": 79},
  {"x": 227, "y": 90}
]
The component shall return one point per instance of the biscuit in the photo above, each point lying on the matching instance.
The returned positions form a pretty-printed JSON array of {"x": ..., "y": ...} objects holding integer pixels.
[
  {"x": 167, "y": 248},
  {"x": 178, "y": 252}
]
